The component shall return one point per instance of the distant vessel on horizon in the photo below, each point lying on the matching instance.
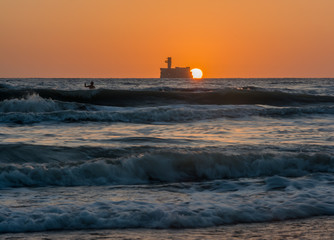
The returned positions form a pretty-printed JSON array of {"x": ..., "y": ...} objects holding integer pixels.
[{"x": 177, "y": 72}]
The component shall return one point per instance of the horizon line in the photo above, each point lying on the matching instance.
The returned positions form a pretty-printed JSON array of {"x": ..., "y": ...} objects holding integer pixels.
[{"x": 165, "y": 78}]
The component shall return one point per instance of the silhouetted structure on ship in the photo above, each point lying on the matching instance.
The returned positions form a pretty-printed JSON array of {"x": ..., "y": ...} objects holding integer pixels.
[{"x": 177, "y": 72}]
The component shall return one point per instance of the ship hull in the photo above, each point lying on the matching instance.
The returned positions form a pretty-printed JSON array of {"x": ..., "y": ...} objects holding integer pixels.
[{"x": 175, "y": 72}]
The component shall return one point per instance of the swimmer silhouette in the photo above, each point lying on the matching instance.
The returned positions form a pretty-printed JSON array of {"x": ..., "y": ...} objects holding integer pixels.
[{"x": 90, "y": 86}]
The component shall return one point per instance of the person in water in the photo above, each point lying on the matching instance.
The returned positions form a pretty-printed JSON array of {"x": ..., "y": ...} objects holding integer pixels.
[{"x": 91, "y": 85}]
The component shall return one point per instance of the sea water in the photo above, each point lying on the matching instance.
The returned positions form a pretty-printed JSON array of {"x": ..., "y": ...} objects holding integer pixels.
[{"x": 167, "y": 158}]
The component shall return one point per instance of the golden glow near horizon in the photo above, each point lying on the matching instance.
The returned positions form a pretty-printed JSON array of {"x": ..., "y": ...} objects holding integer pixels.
[
  {"x": 197, "y": 73},
  {"x": 130, "y": 38}
]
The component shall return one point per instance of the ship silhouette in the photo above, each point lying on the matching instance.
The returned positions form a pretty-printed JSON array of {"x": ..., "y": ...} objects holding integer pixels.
[{"x": 177, "y": 72}]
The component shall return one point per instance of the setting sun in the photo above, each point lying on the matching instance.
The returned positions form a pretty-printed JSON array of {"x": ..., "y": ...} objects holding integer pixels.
[{"x": 197, "y": 73}]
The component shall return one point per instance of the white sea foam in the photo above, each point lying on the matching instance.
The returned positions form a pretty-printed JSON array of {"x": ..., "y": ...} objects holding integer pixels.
[
  {"x": 33, "y": 109},
  {"x": 158, "y": 167},
  {"x": 202, "y": 204},
  {"x": 33, "y": 103}
]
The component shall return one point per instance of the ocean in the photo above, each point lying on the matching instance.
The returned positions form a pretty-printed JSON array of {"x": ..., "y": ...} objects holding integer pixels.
[{"x": 167, "y": 159}]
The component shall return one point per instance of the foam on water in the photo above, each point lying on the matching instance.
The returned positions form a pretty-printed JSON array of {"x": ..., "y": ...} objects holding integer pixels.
[
  {"x": 190, "y": 205},
  {"x": 76, "y": 168},
  {"x": 31, "y": 103},
  {"x": 123, "y": 98},
  {"x": 35, "y": 104},
  {"x": 34, "y": 109}
]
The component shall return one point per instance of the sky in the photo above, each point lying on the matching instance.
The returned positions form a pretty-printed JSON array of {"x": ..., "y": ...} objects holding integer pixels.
[{"x": 132, "y": 38}]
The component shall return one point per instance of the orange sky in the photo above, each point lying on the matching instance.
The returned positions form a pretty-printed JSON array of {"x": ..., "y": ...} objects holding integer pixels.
[{"x": 132, "y": 38}]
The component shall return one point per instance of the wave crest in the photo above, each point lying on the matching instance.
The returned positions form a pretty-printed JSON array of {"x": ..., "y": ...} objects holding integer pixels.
[
  {"x": 29, "y": 103},
  {"x": 124, "y": 98},
  {"x": 158, "y": 166}
]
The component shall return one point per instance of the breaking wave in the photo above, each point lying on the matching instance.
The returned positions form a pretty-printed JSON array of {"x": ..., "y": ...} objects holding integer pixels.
[
  {"x": 139, "y": 214},
  {"x": 124, "y": 98},
  {"x": 35, "y": 104},
  {"x": 34, "y": 109},
  {"x": 45, "y": 166},
  {"x": 196, "y": 188}
]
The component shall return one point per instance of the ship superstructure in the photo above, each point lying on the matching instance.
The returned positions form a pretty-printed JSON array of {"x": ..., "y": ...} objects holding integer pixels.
[{"x": 177, "y": 72}]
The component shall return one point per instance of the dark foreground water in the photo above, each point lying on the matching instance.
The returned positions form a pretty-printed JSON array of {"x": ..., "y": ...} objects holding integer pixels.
[{"x": 148, "y": 158}]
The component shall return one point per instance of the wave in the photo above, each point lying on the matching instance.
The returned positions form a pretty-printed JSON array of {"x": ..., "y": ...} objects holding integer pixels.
[
  {"x": 34, "y": 103},
  {"x": 109, "y": 214},
  {"x": 23, "y": 166},
  {"x": 34, "y": 109},
  {"x": 122, "y": 98}
]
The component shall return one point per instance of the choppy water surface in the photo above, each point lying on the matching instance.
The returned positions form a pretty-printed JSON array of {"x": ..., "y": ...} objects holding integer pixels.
[{"x": 146, "y": 154}]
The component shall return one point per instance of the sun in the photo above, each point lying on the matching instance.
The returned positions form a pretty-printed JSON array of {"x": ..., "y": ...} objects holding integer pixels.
[{"x": 197, "y": 73}]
